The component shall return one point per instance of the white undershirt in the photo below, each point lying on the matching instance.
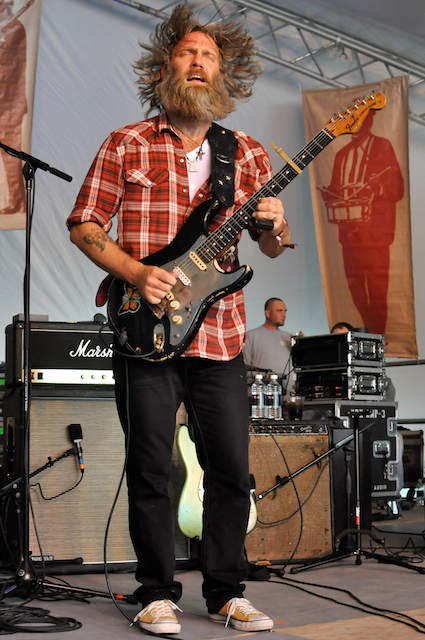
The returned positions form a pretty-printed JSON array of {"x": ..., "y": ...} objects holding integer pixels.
[{"x": 197, "y": 178}]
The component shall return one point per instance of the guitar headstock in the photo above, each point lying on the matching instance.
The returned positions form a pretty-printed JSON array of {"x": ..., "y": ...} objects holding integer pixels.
[{"x": 350, "y": 120}]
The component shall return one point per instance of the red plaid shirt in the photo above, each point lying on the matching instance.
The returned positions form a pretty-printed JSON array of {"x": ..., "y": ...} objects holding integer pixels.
[{"x": 140, "y": 174}]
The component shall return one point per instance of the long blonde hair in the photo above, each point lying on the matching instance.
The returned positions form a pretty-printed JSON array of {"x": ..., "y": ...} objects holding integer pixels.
[{"x": 236, "y": 47}]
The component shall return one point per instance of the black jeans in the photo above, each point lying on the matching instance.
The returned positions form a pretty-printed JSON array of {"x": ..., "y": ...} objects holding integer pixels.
[{"x": 215, "y": 394}]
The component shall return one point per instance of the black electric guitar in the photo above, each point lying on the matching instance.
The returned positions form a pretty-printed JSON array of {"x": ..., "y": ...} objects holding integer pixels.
[{"x": 159, "y": 332}]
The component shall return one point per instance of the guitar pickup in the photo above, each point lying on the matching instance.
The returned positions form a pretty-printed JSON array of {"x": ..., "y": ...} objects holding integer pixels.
[
  {"x": 182, "y": 277},
  {"x": 197, "y": 260}
]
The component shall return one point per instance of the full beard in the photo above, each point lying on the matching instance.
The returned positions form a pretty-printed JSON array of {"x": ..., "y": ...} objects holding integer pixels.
[{"x": 209, "y": 102}]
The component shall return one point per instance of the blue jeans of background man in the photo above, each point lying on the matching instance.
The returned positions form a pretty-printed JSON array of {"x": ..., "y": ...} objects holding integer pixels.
[{"x": 215, "y": 395}]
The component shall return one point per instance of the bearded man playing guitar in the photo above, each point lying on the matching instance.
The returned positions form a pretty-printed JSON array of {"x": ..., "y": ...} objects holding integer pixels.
[{"x": 153, "y": 175}]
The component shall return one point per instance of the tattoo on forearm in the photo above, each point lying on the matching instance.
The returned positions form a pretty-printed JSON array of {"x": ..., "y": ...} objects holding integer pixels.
[{"x": 97, "y": 237}]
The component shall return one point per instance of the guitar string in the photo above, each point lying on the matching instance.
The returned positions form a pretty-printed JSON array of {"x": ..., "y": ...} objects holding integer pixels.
[
  {"x": 266, "y": 190},
  {"x": 238, "y": 221}
]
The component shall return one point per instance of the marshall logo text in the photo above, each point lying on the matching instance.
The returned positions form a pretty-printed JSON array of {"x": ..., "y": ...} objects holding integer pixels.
[{"x": 84, "y": 350}]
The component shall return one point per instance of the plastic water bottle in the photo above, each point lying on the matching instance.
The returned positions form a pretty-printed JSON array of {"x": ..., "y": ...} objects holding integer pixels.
[
  {"x": 258, "y": 392},
  {"x": 272, "y": 400}
]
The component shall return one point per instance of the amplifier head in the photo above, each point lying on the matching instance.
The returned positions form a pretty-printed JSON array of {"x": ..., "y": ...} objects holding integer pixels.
[
  {"x": 352, "y": 348},
  {"x": 60, "y": 353}
]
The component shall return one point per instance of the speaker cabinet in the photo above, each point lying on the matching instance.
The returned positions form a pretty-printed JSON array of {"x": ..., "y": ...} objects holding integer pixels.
[
  {"x": 294, "y": 520},
  {"x": 73, "y": 525}
]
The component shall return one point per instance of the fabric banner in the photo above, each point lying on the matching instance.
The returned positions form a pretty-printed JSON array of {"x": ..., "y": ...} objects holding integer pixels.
[
  {"x": 19, "y": 31},
  {"x": 360, "y": 193}
]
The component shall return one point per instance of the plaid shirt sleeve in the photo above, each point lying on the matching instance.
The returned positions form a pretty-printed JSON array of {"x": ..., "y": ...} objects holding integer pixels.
[{"x": 100, "y": 196}]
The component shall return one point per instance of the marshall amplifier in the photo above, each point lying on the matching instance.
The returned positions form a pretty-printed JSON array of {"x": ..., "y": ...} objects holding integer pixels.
[
  {"x": 72, "y": 382},
  {"x": 70, "y": 529},
  {"x": 349, "y": 382},
  {"x": 332, "y": 350},
  {"x": 61, "y": 353},
  {"x": 71, "y": 370},
  {"x": 67, "y": 360}
]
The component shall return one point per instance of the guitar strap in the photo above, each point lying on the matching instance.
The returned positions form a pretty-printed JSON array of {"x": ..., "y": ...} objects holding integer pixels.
[{"x": 223, "y": 146}]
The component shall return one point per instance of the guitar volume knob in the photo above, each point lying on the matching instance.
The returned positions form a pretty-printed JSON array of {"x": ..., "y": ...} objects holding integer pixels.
[{"x": 177, "y": 319}]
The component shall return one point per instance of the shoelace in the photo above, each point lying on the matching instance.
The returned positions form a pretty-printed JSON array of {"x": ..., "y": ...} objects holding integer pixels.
[
  {"x": 161, "y": 608},
  {"x": 243, "y": 604}
]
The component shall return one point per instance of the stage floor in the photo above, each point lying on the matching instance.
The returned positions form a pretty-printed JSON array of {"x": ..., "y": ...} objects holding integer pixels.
[{"x": 306, "y": 605}]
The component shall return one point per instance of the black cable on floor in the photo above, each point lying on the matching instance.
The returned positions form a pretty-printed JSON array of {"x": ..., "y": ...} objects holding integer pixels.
[
  {"x": 14, "y": 619},
  {"x": 370, "y": 610},
  {"x": 399, "y": 533},
  {"x": 397, "y": 552},
  {"x": 20, "y": 617}
]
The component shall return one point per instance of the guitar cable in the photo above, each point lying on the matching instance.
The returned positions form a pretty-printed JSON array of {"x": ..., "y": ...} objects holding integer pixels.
[
  {"x": 108, "y": 582},
  {"x": 299, "y": 505},
  {"x": 115, "y": 500},
  {"x": 104, "y": 327}
]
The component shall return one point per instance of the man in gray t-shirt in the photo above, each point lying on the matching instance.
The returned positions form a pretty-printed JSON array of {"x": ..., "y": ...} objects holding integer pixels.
[{"x": 268, "y": 347}]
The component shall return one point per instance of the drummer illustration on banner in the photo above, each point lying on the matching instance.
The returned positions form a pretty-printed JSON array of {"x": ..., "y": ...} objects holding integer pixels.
[{"x": 361, "y": 199}]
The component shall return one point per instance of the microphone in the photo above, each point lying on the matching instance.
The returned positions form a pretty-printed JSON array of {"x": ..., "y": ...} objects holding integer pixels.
[{"x": 76, "y": 435}]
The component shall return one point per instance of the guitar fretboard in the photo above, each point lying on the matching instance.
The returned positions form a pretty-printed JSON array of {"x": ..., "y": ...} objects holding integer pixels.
[{"x": 225, "y": 235}]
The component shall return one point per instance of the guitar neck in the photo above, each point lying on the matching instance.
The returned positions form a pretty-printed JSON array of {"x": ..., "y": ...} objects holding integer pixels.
[{"x": 222, "y": 238}]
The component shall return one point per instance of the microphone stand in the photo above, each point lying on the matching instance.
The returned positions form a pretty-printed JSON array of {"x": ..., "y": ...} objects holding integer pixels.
[
  {"x": 26, "y": 577},
  {"x": 281, "y": 482},
  {"x": 16, "y": 589},
  {"x": 34, "y": 163},
  {"x": 15, "y": 484}
]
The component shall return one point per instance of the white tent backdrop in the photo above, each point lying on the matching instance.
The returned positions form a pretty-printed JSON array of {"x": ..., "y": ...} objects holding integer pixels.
[{"x": 85, "y": 88}]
